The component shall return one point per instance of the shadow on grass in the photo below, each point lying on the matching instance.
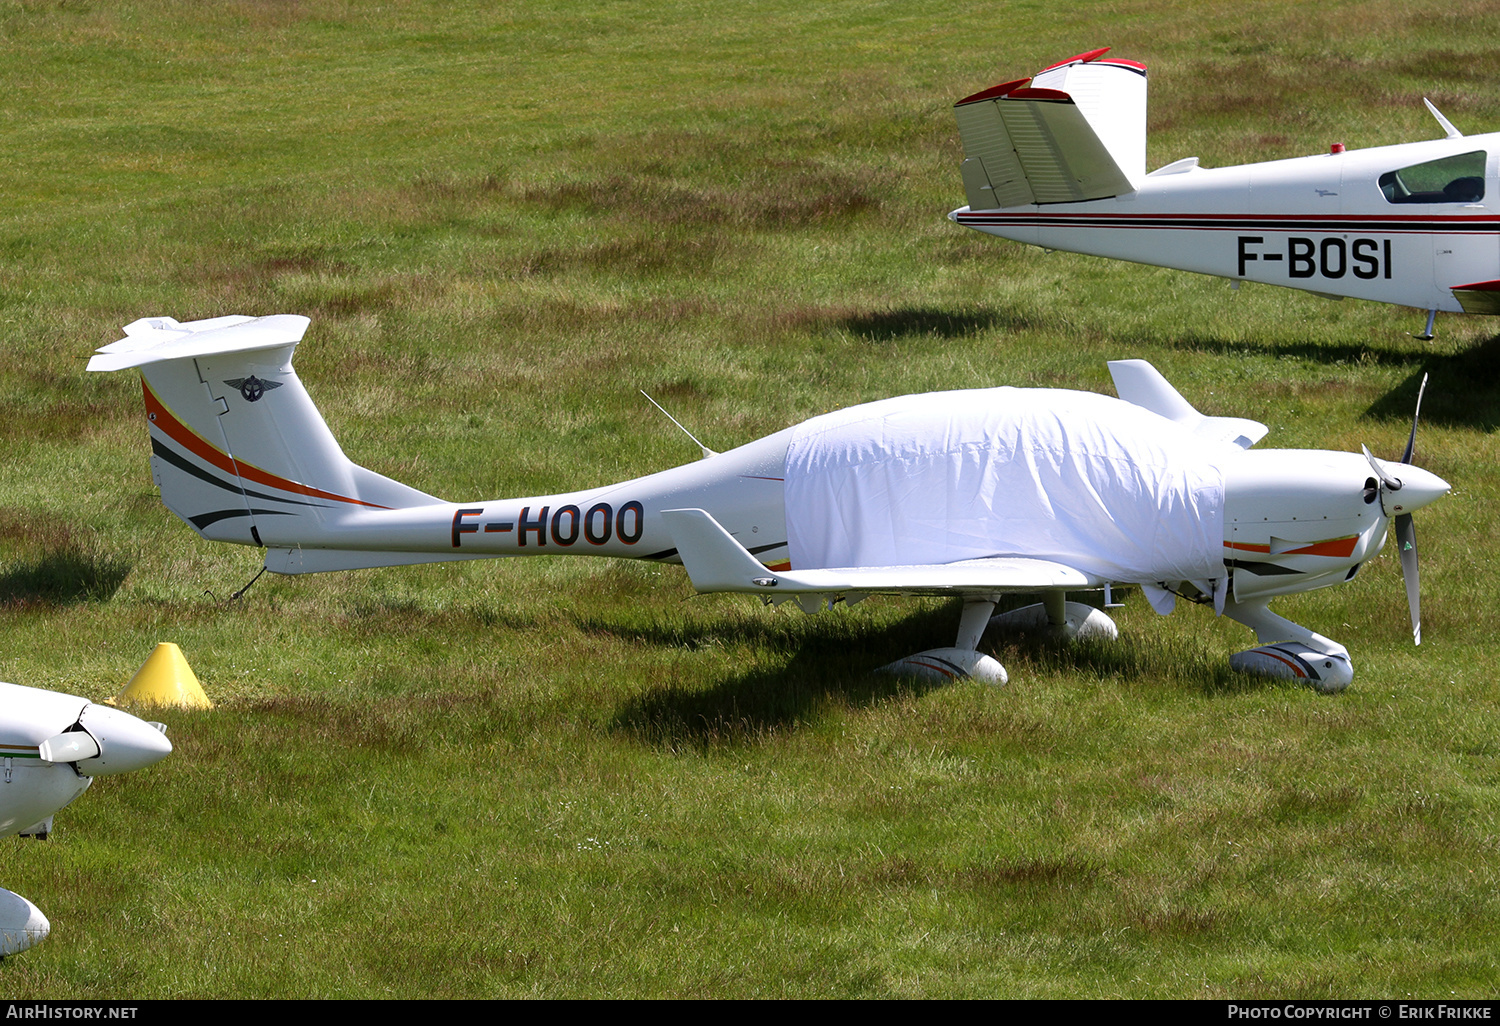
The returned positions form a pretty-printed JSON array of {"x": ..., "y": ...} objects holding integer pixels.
[
  {"x": 1313, "y": 352},
  {"x": 908, "y": 322},
  {"x": 832, "y": 663},
  {"x": 62, "y": 577},
  {"x": 1173, "y": 661},
  {"x": 1463, "y": 390}
]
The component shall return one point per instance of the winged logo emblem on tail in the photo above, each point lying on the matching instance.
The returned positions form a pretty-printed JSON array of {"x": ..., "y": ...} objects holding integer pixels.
[{"x": 252, "y": 388}]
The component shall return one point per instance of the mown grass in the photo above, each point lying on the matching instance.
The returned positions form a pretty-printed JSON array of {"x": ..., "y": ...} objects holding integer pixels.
[{"x": 554, "y": 778}]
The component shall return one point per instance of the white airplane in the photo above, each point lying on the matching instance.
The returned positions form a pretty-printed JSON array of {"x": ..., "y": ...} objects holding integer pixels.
[
  {"x": 51, "y": 747},
  {"x": 1059, "y": 161},
  {"x": 973, "y": 493}
]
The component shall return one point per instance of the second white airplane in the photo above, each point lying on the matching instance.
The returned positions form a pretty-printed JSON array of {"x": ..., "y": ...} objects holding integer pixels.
[
  {"x": 973, "y": 494},
  {"x": 52, "y": 745},
  {"x": 1059, "y": 161}
]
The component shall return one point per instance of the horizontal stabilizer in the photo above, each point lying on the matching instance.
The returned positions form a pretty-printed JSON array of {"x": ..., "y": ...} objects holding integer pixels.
[
  {"x": 154, "y": 339},
  {"x": 1480, "y": 297},
  {"x": 1139, "y": 383},
  {"x": 715, "y": 561},
  {"x": 1075, "y": 132}
]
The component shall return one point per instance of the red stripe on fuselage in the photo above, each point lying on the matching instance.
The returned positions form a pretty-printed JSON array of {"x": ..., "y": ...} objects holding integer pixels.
[
  {"x": 1338, "y": 548},
  {"x": 1387, "y": 224},
  {"x": 177, "y": 431}
]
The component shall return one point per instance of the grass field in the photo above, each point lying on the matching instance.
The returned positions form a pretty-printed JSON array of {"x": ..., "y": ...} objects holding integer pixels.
[{"x": 574, "y": 778}]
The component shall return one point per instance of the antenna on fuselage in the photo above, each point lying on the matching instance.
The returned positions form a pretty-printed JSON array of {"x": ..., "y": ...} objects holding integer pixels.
[
  {"x": 1453, "y": 133},
  {"x": 707, "y": 452}
]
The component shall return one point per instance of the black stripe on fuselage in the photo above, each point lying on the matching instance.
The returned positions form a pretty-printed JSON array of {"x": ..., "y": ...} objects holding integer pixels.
[
  {"x": 669, "y": 553},
  {"x": 203, "y": 520},
  {"x": 1261, "y": 569},
  {"x": 158, "y": 448}
]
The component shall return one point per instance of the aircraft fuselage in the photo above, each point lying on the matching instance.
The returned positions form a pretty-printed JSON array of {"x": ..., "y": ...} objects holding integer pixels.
[
  {"x": 1338, "y": 223},
  {"x": 1293, "y": 519}
]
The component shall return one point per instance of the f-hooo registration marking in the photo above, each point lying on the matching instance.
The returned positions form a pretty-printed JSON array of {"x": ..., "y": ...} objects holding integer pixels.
[{"x": 566, "y": 525}]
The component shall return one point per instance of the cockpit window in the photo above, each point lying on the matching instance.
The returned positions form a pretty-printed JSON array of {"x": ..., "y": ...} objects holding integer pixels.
[{"x": 1456, "y": 179}]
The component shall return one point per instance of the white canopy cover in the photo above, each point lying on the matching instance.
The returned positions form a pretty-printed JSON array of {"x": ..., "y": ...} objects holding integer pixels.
[{"x": 1084, "y": 479}]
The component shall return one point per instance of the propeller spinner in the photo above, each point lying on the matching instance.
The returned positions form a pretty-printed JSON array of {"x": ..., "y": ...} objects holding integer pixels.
[{"x": 107, "y": 741}]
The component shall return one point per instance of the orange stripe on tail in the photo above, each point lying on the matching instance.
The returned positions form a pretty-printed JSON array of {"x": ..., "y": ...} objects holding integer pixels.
[{"x": 163, "y": 418}]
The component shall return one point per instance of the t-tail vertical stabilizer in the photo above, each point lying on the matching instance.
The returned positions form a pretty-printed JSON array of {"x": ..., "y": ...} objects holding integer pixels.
[{"x": 236, "y": 441}]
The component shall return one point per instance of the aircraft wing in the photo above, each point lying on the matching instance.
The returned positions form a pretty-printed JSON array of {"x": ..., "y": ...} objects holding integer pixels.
[{"x": 717, "y": 562}]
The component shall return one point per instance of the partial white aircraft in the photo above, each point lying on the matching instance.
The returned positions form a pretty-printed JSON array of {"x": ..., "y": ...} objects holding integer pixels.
[
  {"x": 974, "y": 494},
  {"x": 1059, "y": 161},
  {"x": 52, "y": 746}
]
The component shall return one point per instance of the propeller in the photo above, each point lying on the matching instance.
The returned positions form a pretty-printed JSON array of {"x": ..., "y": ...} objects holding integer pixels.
[
  {"x": 1399, "y": 496},
  {"x": 106, "y": 741}
]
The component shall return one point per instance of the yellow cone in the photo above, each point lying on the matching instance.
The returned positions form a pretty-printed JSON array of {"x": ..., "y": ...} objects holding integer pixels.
[{"x": 165, "y": 679}]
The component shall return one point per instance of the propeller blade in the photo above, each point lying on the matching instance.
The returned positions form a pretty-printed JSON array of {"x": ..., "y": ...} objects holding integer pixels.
[
  {"x": 1406, "y": 541},
  {"x": 1411, "y": 443},
  {"x": 74, "y": 746},
  {"x": 1406, "y": 533},
  {"x": 1391, "y": 484}
]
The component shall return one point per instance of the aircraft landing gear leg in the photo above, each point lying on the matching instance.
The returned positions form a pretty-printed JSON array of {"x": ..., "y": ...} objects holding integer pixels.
[
  {"x": 976, "y": 617},
  {"x": 1300, "y": 653},
  {"x": 1056, "y": 605},
  {"x": 1426, "y": 335},
  {"x": 962, "y": 662}
]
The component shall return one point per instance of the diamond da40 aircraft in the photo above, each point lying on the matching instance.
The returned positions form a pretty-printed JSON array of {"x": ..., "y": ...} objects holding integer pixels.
[
  {"x": 52, "y": 745},
  {"x": 1059, "y": 161},
  {"x": 974, "y": 494}
]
